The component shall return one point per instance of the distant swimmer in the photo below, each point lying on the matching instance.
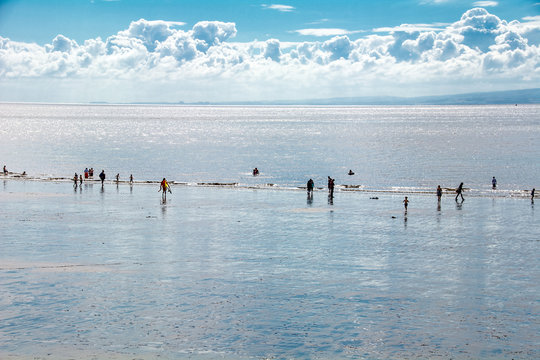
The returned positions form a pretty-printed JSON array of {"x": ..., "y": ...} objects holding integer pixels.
[
  {"x": 459, "y": 191},
  {"x": 439, "y": 193},
  {"x": 102, "y": 176},
  {"x": 131, "y": 179},
  {"x": 255, "y": 172},
  {"x": 406, "y": 203},
  {"x": 164, "y": 187},
  {"x": 351, "y": 172},
  {"x": 310, "y": 185},
  {"x": 494, "y": 183}
]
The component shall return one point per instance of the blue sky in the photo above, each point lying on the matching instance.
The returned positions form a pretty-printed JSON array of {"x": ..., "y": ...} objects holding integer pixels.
[{"x": 97, "y": 50}]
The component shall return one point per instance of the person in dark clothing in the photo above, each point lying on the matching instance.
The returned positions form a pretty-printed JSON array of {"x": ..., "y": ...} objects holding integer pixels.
[{"x": 459, "y": 192}]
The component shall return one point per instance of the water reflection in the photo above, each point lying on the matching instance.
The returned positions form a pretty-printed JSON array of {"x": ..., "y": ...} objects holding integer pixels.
[{"x": 310, "y": 198}]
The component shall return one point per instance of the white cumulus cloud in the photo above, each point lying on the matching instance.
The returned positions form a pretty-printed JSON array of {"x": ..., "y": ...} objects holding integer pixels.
[{"x": 160, "y": 61}]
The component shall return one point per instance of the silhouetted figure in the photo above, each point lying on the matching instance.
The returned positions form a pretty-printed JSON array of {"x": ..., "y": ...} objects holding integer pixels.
[
  {"x": 406, "y": 203},
  {"x": 532, "y": 194},
  {"x": 75, "y": 180},
  {"x": 80, "y": 179},
  {"x": 331, "y": 186},
  {"x": 459, "y": 192},
  {"x": 117, "y": 178},
  {"x": 439, "y": 193},
  {"x": 494, "y": 183},
  {"x": 102, "y": 177},
  {"x": 351, "y": 172},
  {"x": 310, "y": 185},
  {"x": 91, "y": 172},
  {"x": 255, "y": 172},
  {"x": 5, "y": 170},
  {"x": 131, "y": 179}
]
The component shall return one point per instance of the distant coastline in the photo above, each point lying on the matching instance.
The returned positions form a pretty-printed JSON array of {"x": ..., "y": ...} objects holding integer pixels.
[{"x": 527, "y": 96}]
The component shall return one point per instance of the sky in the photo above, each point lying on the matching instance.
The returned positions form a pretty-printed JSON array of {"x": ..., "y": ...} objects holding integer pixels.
[{"x": 245, "y": 50}]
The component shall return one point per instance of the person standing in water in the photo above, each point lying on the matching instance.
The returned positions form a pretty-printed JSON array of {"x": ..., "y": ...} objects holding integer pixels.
[
  {"x": 75, "y": 180},
  {"x": 459, "y": 192},
  {"x": 164, "y": 187},
  {"x": 102, "y": 177},
  {"x": 494, "y": 183},
  {"x": 131, "y": 179},
  {"x": 532, "y": 194},
  {"x": 117, "y": 178},
  {"x": 310, "y": 185},
  {"x": 80, "y": 179},
  {"x": 331, "y": 186},
  {"x": 406, "y": 203},
  {"x": 439, "y": 193}
]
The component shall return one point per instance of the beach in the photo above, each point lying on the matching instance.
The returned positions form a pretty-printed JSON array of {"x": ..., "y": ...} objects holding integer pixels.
[{"x": 240, "y": 273}]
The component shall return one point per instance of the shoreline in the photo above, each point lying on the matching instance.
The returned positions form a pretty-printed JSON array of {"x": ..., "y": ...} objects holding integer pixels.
[{"x": 340, "y": 188}]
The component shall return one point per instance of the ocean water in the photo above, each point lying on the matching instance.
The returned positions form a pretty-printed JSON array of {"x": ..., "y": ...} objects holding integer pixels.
[
  {"x": 252, "y": 271},
  {"x": 387, "y": 147}
]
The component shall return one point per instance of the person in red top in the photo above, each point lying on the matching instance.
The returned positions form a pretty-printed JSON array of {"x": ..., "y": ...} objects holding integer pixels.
[{"x": 164, "y": 187}]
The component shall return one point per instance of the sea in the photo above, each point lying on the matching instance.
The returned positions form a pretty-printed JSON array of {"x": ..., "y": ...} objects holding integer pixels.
[{"x": 235, "y": 266}]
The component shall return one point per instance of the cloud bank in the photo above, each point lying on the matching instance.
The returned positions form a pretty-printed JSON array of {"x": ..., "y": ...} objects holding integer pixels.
[{"x": 155, "y": 61}]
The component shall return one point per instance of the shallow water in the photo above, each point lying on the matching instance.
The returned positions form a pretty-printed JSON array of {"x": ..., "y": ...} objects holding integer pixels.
[
  {"x": 258, "y": 273},
  {"x": 387, "y": 146}
]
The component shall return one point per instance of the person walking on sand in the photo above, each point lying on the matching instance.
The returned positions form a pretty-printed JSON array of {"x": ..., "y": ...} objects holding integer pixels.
[
  {"x": 494, "y": 183},
  {"x": 459, "y": 191},
  {"x": 102, "y": 177},
  {"x": 164, "y": 187},
  {"x": 406, "y": 203},
  {"x": 439, "y": 193}
]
